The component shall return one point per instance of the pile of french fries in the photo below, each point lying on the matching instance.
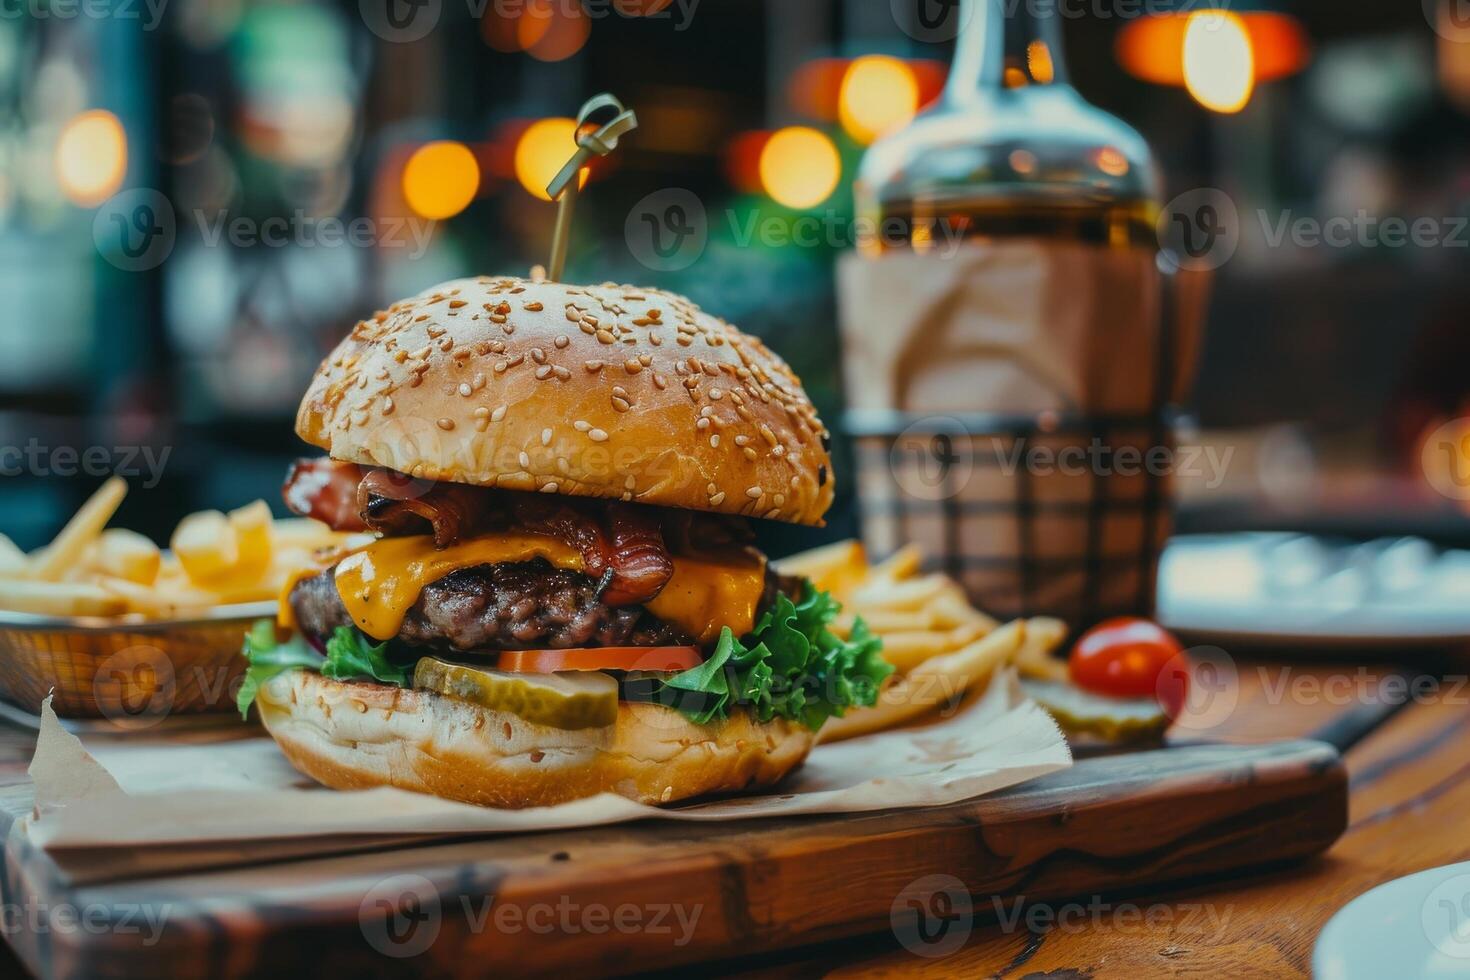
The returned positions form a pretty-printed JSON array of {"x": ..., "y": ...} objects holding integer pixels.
[
  {"x": 214, "y": 559},
  {"x": 940, "y": 646}
]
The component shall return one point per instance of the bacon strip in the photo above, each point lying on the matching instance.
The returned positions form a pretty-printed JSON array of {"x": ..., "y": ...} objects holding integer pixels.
[
  {"x": 394, "y": 504},
  {"x": 622, "y": 544},
  {"x": 325, "y": 490}
]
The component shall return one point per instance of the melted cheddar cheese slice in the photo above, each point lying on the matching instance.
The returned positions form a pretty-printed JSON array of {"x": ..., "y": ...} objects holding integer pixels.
[{"x": 382, "y": 581}]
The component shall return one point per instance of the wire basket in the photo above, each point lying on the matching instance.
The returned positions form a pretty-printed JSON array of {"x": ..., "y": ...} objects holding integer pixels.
[{"x": 1035, "y": 515}]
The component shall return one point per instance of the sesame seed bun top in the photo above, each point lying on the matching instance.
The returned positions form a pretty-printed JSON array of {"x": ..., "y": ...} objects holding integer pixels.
[{"x": 601, "y": 391}]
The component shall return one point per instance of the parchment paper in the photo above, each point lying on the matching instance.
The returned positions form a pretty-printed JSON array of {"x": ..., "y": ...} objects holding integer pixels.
[{"x": 143, "y": 791}]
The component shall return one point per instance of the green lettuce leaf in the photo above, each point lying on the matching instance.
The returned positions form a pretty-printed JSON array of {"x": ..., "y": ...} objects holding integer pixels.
[
  {"x": 790, "y": 666},
  {"x": 350, "y": 656},
  {"x": 268, "y": 657}
]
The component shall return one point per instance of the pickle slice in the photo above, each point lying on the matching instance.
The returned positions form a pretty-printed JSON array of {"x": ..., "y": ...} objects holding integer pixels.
[
  {"x": 571, "y": 700},
  {"x": 1081, "y": 712}
]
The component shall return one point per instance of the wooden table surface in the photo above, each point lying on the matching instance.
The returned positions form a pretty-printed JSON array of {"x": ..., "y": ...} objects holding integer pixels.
[{"x": 1407, "y": 757}]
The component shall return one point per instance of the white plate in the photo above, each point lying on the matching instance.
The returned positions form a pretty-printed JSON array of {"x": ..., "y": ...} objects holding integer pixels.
[
  {"x": 1293, "y": 589},
  {"x": 1413, "y": 927}
]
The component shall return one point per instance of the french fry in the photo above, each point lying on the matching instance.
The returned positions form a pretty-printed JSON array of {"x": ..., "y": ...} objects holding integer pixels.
[
  {"x": 161, "y": 600},
  {"x": 252, "y": 524},
  {"x": 833, "y": 568},
  {"x": 127, "y": 555},
  {"x": 67, "y": 549},
  {"x": 205, "y": 545},
  {"x": 907, "y": 650},
  {"x": 13, "y": 561},
  {"x": 931, "y": 685},
  {"x": 903, "y": 563},
  {"x": 60, "y": 598},
  {"x": 914, "y": 593},
  {"x": 1034, "y": 659}
]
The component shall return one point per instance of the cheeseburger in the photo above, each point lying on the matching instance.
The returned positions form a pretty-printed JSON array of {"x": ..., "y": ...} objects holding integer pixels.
[{"x": 555, "y": 592}]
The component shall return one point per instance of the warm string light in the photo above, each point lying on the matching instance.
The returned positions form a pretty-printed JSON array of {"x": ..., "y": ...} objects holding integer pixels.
[
  {"x": 879, "y": 94},
  {"x": 800, "y": 167},
  {"x": 542, "y": 150},
  {"x": 1219, "y": 64},
  {"x": 91, "y": 157},
  {"x": 440, "y": 180}
]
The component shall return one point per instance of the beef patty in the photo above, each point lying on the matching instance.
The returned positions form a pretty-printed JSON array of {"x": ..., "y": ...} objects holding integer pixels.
[{"x": 506, "y": 606}]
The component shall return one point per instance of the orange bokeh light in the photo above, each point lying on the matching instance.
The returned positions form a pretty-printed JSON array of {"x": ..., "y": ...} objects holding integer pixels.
[
  {"x": 440, "y": 179},
  {"x": 1152, "y": 48},
  {"x": 542, "y": 150}
]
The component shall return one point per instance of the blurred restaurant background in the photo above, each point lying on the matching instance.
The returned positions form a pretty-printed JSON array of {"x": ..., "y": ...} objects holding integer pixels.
[{"x": 1325, "y": 366}]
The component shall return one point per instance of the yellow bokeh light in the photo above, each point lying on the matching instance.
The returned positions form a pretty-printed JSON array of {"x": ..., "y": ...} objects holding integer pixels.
[
  {"x": 91, "y": 157},
  {"x": 878, "y": 95},
  {"x": 1219, "y": 63},
  {"x": 440, "y": 179},
  {"x": 1038, "y": 61},
  {"x": 543, "y": 149},
  {"x": 800, "y": 167}
]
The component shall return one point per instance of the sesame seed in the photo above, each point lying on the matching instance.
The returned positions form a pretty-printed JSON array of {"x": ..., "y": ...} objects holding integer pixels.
[
  {"x": 702, "y": 424},
  {"x": 621, "y": 404},
  {"x": 717, "y": 499},
  {"x": 538, "y": 355},
  {"x": 455, "y": 304},
  {"x": 498, "y": 414},
  {"x": 500, "y": 367},
  {"x": 482, "y": 412},
  {"x": 716, "y": 394},
  {"x": 592, "y": 366},
  {"x": 629, "y": 483},
  {"x": 774, "y": 511},
  {"x": 561, "y": 341},
  {"x": 589, "y": 318},
  {"x": 714, "y": 441},
  {"x": 753, "y": 492},
  {"x": 543, "y": 372},
  {"x": 632, "y": 366},
  {"x": 597, "y": 435},
  {"x": 550, "y": 487},
  {"x": 446, "y": 424},
  {"x": 749, "y": 454},
  {"x": 534, "y": 307},
  {"x": 545, "y": 437},
  {"x": 525, "y": 460},
  {"x": 581, "y": 426},
  {"x": 465, "y": 389},
  {"x": 604, "y": 337}
]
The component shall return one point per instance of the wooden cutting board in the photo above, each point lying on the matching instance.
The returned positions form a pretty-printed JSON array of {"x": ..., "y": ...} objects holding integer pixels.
[{"x": 656, "y": 895}]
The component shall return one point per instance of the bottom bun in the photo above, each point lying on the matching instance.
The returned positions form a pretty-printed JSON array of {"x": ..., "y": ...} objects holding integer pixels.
[{"x": 355, "y": 735}]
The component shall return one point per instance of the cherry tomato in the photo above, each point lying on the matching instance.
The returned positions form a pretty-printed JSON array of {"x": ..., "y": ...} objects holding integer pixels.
[
  {"x": 600, "y": 658},
  {"x": 1129, "y": 657}
]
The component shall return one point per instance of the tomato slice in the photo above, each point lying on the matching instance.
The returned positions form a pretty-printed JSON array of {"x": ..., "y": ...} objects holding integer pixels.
[
  {"x": 600, "y": 658},
  {"x": 1130, "y": 657}
]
